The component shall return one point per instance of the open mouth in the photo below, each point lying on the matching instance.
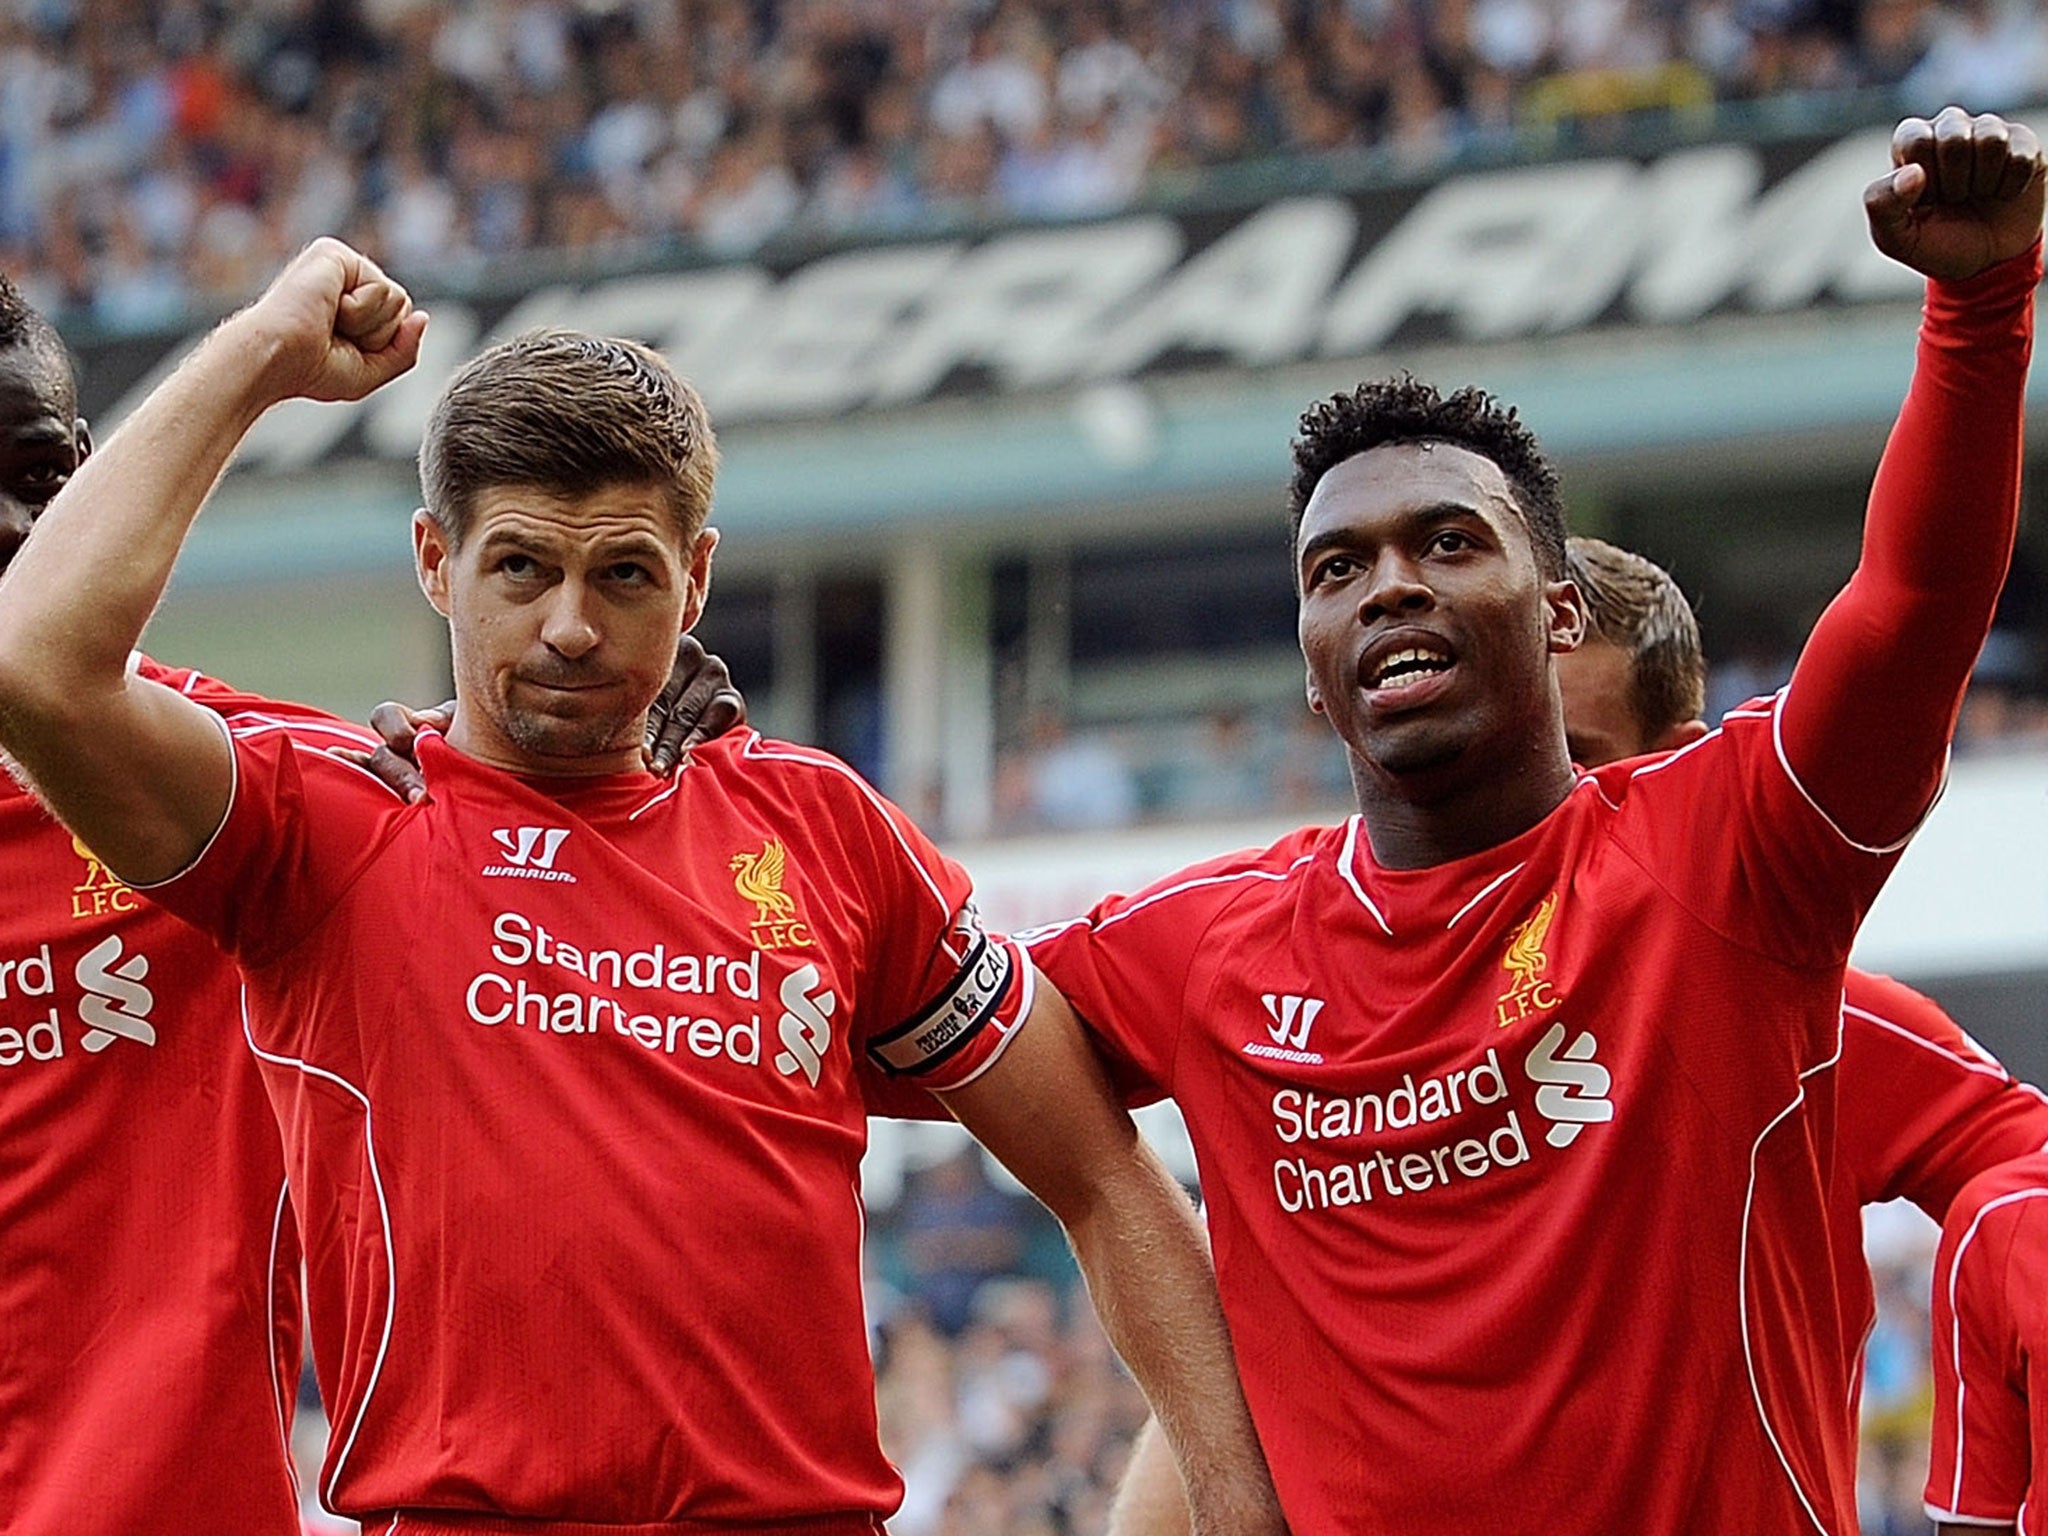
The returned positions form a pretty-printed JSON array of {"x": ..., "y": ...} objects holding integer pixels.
[{"x": 1410, "y": 665}]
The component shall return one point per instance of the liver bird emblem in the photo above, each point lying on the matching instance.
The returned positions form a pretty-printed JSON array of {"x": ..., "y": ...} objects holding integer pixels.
[
  {"x": 1525, "y": 959},
  {"x": 758, "y": 877}
]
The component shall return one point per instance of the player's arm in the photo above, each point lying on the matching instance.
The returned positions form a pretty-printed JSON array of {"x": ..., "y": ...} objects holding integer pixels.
[
  {"x": 1873, "y": 701},
  {"x": 1047, "y": 1110},
  {"x": 140, "y": 772},
  {"x": 1924, "y": 1108},
  {"x": 1151, "y": 1500},
  {"x": 1979, "y": 1452}
]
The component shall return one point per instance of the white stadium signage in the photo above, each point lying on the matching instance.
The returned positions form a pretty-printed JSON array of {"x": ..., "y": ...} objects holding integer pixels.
[{"x": 1479, "y": 257}]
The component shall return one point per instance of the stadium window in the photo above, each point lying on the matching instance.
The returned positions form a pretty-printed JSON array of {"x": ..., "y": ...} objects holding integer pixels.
[{"x": 1227, "y": 591}]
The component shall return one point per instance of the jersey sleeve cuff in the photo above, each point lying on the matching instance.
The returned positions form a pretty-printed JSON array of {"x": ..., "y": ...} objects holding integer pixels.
[
  {"x": 1942, "y": 1516},
  {"x": 946, "y": 1044},
  {"x": 227, "y": 813}
]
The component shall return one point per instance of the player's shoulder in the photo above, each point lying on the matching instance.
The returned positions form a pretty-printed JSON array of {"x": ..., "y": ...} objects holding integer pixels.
[
  {"x": 1243, "y": 879},
  {"x": 1877, "y": 998},
  {"x": 239, "y": 706},
  {"x": 1745, "y": 733},
  {"x": 804, "y": 796},
  {"x": 746, "y": 762},
  {"x": 2014, "y": 1193}
]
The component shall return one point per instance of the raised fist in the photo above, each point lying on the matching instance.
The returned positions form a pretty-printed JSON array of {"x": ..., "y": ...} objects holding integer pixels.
[
  {"x": 332, "y": 326},
  {"x": 1965, "y": 194}
]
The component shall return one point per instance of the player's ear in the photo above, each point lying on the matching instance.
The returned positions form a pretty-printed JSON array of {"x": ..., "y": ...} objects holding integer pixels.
[
  {"x": 1564, "y": 612},
  {"x": 1315, "y": 698},
  {"x": 1683, "y": 734},
  {"x": 430, "y": 559},
  {"x": 81, "y": 439},
  {"x": 697, "y": 580}
]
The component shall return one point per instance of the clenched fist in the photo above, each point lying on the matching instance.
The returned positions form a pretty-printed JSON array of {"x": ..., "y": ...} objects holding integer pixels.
[
  {"x": 1965, "y": 194},
  {"x": 332, "y": 326}
]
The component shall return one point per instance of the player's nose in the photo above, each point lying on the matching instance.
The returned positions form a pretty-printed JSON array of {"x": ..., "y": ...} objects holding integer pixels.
[
  {"x": 568, "y": 626},
  {"x": 1396, "y": 586}
]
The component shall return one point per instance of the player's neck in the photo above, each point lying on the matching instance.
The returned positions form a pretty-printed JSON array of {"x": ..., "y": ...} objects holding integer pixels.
[{"x": 1418, "y": 821}]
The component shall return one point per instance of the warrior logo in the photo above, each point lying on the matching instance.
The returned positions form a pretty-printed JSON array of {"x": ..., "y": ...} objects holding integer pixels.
[
  {"x": 1525, "y": 962},
  {"x": 1293, "y": 1017},
  {"x": 806, "y": 1023},
  {"x": 758, "y": 877},
  {"x": 116, "y": 1003},
  {"x": 530, "y": 853}
]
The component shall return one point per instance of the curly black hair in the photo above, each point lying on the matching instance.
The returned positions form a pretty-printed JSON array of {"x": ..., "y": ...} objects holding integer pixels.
[
  {"x": 1407, "y": 410},
  {"x": 23, "y": 325}
]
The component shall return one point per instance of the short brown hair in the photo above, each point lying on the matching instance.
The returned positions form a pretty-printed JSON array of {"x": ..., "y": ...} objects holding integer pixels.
[
  {"x": 1633, "y": 603},
  {"x": 567, "y": 413}
]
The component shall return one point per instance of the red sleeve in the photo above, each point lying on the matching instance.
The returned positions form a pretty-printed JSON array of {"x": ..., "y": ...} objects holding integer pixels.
[
  {"x": 1979, "y": 1462},
  {"x": 1725, "y": 831},
  {"x": 312, "y": 725},
  {"x": 300, "y": 824},
  {"x": 947, "y": 994},
  {"x": 1125, "y": 967},
  {"x": 1873, "y": 701},
  {"x": 1923, "y": 1108}
]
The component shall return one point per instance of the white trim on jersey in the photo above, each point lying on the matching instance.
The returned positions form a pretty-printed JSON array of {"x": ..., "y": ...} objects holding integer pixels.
[
  {"x": 278, "y": 1386},
  {"x": 383, "y": 1215},
  {"x": 1742, "y": 1276},
  {"x": 1988, "y": 1066},
  {"x": 1004, "y": 1035},
  {"x": 1040, "y": 935},
  {"x": 1942, "y": 1516},
  {"x": 1778, "y": 745},
  {"x": 748, "y": 749},
  {"x": 1955, "y": 1320},
  {"x": 1485, "y": 891},
  {"x": 234, "y": 789},
  {"x": 1660, "y": 764},
  {"x": 259, "y": 720},
  {"x": 1344, "y": 867},
  {"x": 675, "y": 782}
]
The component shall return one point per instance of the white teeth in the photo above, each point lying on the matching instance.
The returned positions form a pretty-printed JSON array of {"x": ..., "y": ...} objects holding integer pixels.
[{"x": 1406, "y": 661}]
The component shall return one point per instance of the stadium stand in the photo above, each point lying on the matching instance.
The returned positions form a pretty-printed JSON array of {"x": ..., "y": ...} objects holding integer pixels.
[{"x": 162, "y": 158}]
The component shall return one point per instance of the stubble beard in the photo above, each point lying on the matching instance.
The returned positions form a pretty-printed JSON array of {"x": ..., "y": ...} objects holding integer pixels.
[{"x": 550, "y": 736}]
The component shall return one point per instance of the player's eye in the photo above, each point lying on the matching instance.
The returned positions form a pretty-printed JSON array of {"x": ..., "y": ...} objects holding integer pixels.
[
  {"x": 1336, "y": 568},
  {"x": 628, "y": 573},
  {"x": 519, "y": 567},
  {"x": 1450, "y": 541},
  {"x": 37, "y": 483}
]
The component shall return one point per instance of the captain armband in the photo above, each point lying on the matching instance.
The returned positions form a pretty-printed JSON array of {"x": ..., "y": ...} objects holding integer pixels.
[{"x": 969, "y": 1005}]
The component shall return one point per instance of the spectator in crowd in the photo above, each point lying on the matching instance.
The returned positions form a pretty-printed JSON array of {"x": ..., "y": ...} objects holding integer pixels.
[
  {"x": 958, "y": 1232},
  {"x": 154, "y": 160}
]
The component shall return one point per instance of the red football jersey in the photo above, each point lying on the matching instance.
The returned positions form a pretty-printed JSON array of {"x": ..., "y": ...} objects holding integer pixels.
[
  {"x": 566, "y": 1074},
  {"x": 149, "y": 1307},
  {"x": 1528, "y": 1156},
  {"x": 1991, "y": 1352},
  {"x": 1923, "y": 1109}
]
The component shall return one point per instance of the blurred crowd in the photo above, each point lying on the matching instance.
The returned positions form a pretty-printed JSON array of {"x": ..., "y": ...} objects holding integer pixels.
[
  {"x": 154, "y": 158},
  {"x": 1286, "y": 762}
]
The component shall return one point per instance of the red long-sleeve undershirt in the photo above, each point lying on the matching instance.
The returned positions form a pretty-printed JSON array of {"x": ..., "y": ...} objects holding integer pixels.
[{"x": 1875, "y": 696}]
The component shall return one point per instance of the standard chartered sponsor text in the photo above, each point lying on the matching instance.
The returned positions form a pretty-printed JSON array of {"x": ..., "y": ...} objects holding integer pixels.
[
  {"x": 1353, "y": 1175},
  {"x": 585, "y": 990}
]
